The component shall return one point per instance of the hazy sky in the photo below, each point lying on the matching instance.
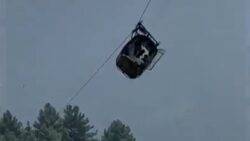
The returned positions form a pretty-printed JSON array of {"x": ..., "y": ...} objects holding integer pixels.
[{"x": 195, "y": 93}]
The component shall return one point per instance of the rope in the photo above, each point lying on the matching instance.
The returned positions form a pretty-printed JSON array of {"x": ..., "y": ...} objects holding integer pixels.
[
  {"x": 97, "y": 70},
  {"x": 105, "y": 62},
  {"x": 144, "y": 11}
]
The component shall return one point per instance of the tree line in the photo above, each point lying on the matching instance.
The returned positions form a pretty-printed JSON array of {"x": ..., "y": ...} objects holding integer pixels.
[{"x": 73, "y": 125}]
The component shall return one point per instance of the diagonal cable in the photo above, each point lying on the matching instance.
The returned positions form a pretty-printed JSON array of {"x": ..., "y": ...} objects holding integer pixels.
[{"x": 97, "y": 71}]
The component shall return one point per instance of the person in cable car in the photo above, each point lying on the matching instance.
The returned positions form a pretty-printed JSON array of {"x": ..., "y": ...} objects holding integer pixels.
[{"x": 138, "y": 53}]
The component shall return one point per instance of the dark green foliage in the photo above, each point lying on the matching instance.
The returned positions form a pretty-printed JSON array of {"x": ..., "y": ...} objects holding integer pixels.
[
  {"x": 8, "y": 136},
  {"x": 77, "y": 124},
  {"x": 50, "y": 126},
  {"x": 118, "y": 132},
  {"x": 10, "y": 127},
  {"x": 48, "y": 117},
  {"x": 28, "y": 134}
]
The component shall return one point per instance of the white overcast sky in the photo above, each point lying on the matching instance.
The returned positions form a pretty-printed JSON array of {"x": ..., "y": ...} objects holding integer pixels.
[{"x": 197, "y": 92}]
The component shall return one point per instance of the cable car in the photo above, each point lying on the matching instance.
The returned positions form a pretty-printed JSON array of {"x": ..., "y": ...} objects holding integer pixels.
[{"x": 139, "y": 53}]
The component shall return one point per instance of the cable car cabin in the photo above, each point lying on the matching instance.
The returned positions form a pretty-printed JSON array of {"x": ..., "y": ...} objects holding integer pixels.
[{"x": 138, "y": 54}]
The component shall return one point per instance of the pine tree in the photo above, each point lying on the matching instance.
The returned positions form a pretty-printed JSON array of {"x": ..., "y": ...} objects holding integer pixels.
[
  {"x": 77, "y": 124},
  {"x": 49, "y": 125},
  {"x": 28, "y": 134},
  {"x": 10, "y": 127},
  {"x": 117, "y": 131}
]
